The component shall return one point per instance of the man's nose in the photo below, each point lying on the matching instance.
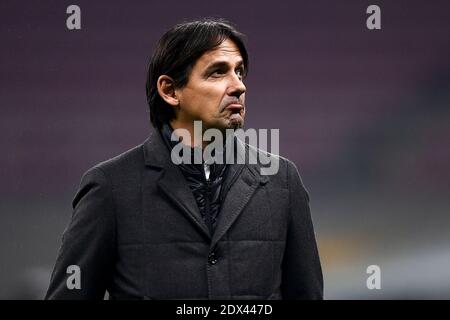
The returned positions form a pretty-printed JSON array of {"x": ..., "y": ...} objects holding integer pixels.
[{"x": 236, "y": 87}]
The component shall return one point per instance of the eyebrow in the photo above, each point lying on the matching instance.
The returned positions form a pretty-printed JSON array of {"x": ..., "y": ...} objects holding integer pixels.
[{"x": 222, "y": 64}]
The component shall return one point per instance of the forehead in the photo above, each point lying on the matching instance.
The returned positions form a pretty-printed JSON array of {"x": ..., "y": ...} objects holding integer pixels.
[{"x": 227, "y": 51}]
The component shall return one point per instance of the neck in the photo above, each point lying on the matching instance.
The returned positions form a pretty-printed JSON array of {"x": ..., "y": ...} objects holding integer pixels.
[{"x": 192, "y": 133}]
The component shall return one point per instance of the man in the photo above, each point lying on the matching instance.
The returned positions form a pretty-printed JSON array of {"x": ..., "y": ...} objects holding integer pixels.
[{"x": 144, "y": 227}]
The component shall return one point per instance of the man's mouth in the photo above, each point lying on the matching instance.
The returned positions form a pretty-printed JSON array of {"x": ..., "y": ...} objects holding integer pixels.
[
  {"x": 235, "y": 110},
  {"x": 234, "y": 107}
]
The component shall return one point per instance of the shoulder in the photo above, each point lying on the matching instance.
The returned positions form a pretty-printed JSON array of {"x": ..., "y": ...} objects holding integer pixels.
[
  {"x": 126, "y": 165},
  {"x": 275, "y": 167}
]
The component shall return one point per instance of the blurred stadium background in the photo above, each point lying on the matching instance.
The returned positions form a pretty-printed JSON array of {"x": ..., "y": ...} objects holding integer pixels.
[{"x": 364, "y": 115}]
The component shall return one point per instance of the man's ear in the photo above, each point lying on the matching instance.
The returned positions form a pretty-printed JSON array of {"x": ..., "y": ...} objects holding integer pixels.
[{"x": 166, "y": 90}]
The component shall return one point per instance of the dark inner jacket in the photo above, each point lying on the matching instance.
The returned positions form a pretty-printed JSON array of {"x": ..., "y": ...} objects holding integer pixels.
[{"x": 207, "y": 192}]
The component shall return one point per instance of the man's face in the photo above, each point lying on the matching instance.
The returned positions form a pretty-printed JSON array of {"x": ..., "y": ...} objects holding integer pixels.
[{"x": 214, "y": 93}]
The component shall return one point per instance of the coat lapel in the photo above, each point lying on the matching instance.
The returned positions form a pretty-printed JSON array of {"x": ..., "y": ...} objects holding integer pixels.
[
  {"x": 240, "y": 184},
  {"x": 171, "y": 181}
]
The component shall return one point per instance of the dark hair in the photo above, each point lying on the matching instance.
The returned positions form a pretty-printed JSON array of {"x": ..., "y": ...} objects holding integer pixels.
[{"x": 176, "y": 53}]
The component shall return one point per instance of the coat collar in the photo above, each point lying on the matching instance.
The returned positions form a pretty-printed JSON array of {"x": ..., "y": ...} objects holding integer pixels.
[{"x": 241, "y": 182}]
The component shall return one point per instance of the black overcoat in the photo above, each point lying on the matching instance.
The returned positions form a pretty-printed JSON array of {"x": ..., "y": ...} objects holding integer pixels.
[{"x": 136, "y": 232}]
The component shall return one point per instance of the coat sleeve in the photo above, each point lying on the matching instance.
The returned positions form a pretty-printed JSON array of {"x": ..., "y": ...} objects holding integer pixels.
[
  {"x": 88, "y": 242},
  {"x": 302, "y": 272}
]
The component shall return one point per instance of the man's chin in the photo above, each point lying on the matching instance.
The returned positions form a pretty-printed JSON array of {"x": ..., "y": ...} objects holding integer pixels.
[
  {"x": 235, "y": 121},
  {"x": 236, "y": 125},
  {"x": 227, "y": 124}
]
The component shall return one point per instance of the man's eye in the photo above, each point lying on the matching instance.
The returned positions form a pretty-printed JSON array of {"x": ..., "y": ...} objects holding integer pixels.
[{"x": 217, "y": 73}]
